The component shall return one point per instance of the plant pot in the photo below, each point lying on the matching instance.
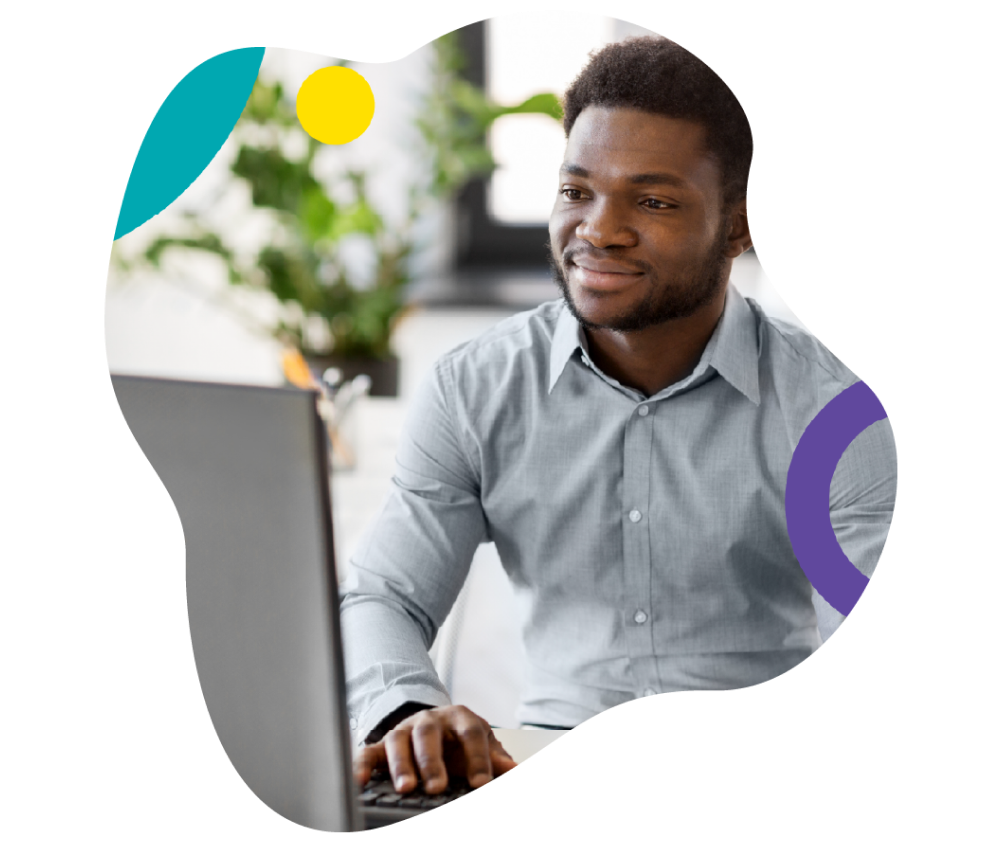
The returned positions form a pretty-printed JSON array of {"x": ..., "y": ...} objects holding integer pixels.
[{"x": 384, "y": 373}]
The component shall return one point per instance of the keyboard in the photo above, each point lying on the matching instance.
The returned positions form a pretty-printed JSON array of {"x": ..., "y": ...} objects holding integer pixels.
[{"x": 381, "y": 805}]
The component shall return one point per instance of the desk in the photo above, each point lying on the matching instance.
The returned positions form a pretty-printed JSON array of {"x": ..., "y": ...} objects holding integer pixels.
[{"x": 522, "y": 743}]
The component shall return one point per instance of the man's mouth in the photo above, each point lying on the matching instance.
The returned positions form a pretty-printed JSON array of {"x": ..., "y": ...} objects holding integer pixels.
[{"x": 600, "y": 274}]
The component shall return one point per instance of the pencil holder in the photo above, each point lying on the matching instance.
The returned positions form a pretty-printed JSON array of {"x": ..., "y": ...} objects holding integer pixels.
[{"x": 338, "y": 404}]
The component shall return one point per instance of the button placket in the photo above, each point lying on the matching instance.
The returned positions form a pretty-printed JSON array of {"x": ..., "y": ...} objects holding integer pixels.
[{"x": 636, "y": 502}]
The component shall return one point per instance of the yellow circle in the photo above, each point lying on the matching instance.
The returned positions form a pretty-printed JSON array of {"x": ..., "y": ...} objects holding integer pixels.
[{"x": 335, "y": 105}]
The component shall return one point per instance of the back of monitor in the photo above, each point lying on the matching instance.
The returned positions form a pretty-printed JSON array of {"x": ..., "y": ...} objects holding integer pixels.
[{"x": 246, "y": 468}]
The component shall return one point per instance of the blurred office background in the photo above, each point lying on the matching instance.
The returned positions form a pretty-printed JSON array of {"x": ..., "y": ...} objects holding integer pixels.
[{"x": 479, "y": 257}]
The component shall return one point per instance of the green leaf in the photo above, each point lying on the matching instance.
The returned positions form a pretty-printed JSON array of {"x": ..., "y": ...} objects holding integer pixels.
[
  {"x": 547, "y": 104},
  {"x": 267, "y": 106},
  {"x": 275, "y": 181},
  {"x": 360, "y": 218},
  {"x": 291, "y": 276},
  {"x": 318, "y": 214},
  {"x": 205, "y": 242}
]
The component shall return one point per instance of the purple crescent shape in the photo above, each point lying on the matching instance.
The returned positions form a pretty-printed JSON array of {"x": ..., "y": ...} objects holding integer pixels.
[{"x": 807, "y": 498}]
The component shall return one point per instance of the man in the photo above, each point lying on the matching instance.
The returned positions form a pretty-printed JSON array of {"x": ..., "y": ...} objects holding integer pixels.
[{"x": 626, "y": 449}]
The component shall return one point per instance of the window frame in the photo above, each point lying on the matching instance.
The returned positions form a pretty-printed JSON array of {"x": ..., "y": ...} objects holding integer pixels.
[{"x": 483, "y": 241}]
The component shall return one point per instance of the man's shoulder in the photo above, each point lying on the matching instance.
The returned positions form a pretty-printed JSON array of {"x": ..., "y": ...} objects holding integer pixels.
[
  {"x": 794, "y": 354},
  {"x": 526, "y": 334},
  {"x": 800, "y": 373}
]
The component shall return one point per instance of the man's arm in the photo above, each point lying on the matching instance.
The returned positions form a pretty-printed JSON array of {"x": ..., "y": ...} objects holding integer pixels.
[
  {"x": 410, "y": 566},
  {"x": 861, "y": 499}
]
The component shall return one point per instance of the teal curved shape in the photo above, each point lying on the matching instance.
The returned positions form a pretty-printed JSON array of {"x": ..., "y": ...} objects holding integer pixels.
[{"x": 192, "y": 124}]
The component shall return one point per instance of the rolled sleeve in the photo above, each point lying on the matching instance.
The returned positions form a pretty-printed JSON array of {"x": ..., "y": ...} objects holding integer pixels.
[{"x": 411, "y": 563}]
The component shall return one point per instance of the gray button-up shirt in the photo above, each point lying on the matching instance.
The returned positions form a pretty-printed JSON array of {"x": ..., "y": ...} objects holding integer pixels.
[{"x": 646, "y": 538}]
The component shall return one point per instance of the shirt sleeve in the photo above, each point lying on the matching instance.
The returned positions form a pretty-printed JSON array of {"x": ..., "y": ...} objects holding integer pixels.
[
  {"x": 861, "y": 499},
  {"x": 411, "y": 563}
]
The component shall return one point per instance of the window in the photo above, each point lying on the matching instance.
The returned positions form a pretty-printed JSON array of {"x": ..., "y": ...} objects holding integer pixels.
[{"x": 503, "y": 220}]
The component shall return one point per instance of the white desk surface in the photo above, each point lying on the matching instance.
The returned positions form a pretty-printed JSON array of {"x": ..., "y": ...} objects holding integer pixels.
[{"x": 522, "y": 743}]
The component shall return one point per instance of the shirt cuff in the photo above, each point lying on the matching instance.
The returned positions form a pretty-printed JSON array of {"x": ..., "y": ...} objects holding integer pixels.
[{"x": 388, "y": 703}]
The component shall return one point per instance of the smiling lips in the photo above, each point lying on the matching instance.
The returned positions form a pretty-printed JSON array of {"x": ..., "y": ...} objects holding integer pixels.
[{"x": 602, "y": 274}]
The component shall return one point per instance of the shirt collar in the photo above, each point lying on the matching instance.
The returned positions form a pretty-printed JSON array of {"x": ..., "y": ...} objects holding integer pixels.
[
  {"x": 733, "y": 350},
  {"x": 568, "y": 338}
]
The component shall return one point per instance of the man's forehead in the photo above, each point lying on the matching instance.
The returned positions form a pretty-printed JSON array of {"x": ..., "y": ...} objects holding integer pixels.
[
  {"x": 629, "y": 143},
  {"x": 659, "y": 175},
  {"x": 632, "y": 127}
]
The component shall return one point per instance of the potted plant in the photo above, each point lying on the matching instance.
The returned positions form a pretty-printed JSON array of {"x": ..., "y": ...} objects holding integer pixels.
[{"x": 329, "y": 317}]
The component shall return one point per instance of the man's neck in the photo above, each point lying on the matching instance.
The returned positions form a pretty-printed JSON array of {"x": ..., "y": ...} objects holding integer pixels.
[{"x": 659, "y": 356}]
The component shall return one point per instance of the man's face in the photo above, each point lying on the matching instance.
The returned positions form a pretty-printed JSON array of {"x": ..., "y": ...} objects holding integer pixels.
[{"x": 638, "y": 234}]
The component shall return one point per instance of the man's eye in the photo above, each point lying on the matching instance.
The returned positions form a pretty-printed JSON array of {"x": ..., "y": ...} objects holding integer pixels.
[
  {"x": 656, "y": 204},
  {"x": 571, "y": 193}
]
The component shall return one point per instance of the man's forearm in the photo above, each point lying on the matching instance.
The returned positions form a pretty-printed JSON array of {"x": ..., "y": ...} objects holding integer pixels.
[{"x": 387, "y": 665}]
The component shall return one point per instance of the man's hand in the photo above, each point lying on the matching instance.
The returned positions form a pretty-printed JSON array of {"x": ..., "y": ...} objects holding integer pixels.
[{"x": 433, "y": 745}]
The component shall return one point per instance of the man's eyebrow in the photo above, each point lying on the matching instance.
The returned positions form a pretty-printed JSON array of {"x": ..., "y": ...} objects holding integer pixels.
[
  {"x": 658, "y": 178},
  {"x": 640, "y": 178}
]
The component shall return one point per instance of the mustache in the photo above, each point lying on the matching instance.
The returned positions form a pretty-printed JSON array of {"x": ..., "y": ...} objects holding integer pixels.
[{"x": 570, "y": 255}]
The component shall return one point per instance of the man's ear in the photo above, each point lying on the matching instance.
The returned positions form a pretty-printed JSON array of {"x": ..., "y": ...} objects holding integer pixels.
[{"x": 739, "y": 238}]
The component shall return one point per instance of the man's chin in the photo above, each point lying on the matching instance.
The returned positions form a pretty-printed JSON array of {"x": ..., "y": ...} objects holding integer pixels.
[
  {"x": 599, "y": 312},
  {"x": 597, "y": 309}
]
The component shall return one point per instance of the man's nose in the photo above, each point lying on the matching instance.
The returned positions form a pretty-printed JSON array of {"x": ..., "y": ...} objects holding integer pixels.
[{"x": 604, "y": 225}]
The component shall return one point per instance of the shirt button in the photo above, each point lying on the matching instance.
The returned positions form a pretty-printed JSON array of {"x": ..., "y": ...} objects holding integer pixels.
[
  {"x": 642, "y": 410},
  {"x": 649, "y": 692},
  {"x": 640, "y": 616},
  {"x": 353, "y": 724},
  {"x": 634, "y": 516}
]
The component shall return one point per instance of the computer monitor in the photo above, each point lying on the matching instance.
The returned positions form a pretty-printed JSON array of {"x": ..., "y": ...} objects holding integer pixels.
[{"x": 247, "y": 470}]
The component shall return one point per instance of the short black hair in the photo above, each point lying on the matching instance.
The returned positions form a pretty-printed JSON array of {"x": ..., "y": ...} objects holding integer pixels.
[{"x": 656, "y": 75}]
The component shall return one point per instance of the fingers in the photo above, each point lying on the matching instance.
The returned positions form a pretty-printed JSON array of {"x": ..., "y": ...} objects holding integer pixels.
[
  {"x": 502, "y": 762},
  {"x": 426, "y": 741},
  {"x": 398, "y": 747},
  {"x": 367, "y": 759},
  {"x": 431, "y": 745},
  {"x": 472, "y": 733}
]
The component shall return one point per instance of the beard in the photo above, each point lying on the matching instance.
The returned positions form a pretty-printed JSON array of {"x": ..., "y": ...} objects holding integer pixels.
[{"x": 670, "y": 297}]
